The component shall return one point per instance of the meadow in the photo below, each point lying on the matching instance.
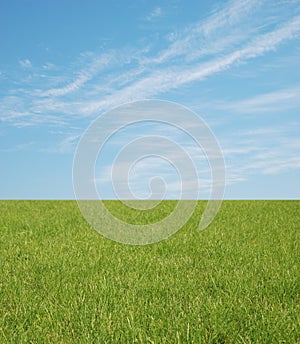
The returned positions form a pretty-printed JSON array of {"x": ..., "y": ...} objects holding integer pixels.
[{"x": 235, "y": 282}]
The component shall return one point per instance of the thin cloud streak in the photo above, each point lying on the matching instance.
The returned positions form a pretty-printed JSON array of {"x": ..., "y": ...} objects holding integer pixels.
[
  {"x": 156, "y": 13},
  {"x": 278, "y": 100},
  {"x": 84, "y": 76},
  {"x": 229, "y": 14},
  {"x": 167, "y": 79},
  {"x": 25, "y": 63}
]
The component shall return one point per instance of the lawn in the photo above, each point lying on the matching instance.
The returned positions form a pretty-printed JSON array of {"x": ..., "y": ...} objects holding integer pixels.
[{"x": 235, "y": 282}]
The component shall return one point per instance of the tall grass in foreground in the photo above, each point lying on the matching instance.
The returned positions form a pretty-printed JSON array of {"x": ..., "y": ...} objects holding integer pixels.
[{"x": 235, "y": 282}]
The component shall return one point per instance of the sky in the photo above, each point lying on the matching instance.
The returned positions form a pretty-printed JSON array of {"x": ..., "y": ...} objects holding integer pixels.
[{"x": 235, "y": 64}]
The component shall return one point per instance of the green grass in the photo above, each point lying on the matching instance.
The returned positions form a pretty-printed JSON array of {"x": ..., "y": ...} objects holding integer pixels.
[{"x": 235, "y": 282}]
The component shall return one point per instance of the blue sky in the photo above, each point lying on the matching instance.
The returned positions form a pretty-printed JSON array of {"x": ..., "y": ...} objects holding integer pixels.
[{"x": 235, "y": 63}]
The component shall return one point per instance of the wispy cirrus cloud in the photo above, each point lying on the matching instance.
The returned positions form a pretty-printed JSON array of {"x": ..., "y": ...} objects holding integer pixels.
[
  {"x": 82, "y": 77},
  {"x": 202, "y": 50},
  {"x": 263, "y": 150},
  {"x": 168, "y": 78},
  {"x": 276, "y": 101},
  {"x": 205, "y": 35}
]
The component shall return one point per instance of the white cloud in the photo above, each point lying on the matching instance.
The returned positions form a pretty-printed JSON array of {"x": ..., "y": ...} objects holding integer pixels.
[
  {"x": 68, "y": 144},
  {"x": 157, "y": 12},
  {"x": 49, "y": 66},
  {"x": 275, "y": 101},
  {"x": 200, "y": 39},
  {"x": 83, "y": 76},
  {"x": 25, "y": 63},
  {"x": 168, "y": 78},
  {"x": 263, "y": 150}
]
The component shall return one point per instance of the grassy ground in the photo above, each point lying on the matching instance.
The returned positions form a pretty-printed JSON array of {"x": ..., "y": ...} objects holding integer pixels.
[{"x": 235, "y": 282}]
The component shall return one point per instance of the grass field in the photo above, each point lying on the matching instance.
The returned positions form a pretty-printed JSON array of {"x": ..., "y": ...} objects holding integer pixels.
[{"x": 235, "y": 282}]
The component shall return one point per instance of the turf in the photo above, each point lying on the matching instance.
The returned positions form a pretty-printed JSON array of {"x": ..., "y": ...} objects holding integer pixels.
[{"x": 235, "y": 282}]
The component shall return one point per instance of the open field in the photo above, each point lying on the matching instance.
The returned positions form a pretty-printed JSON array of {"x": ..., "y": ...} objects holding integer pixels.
[{"x": 235, "y": 282}]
